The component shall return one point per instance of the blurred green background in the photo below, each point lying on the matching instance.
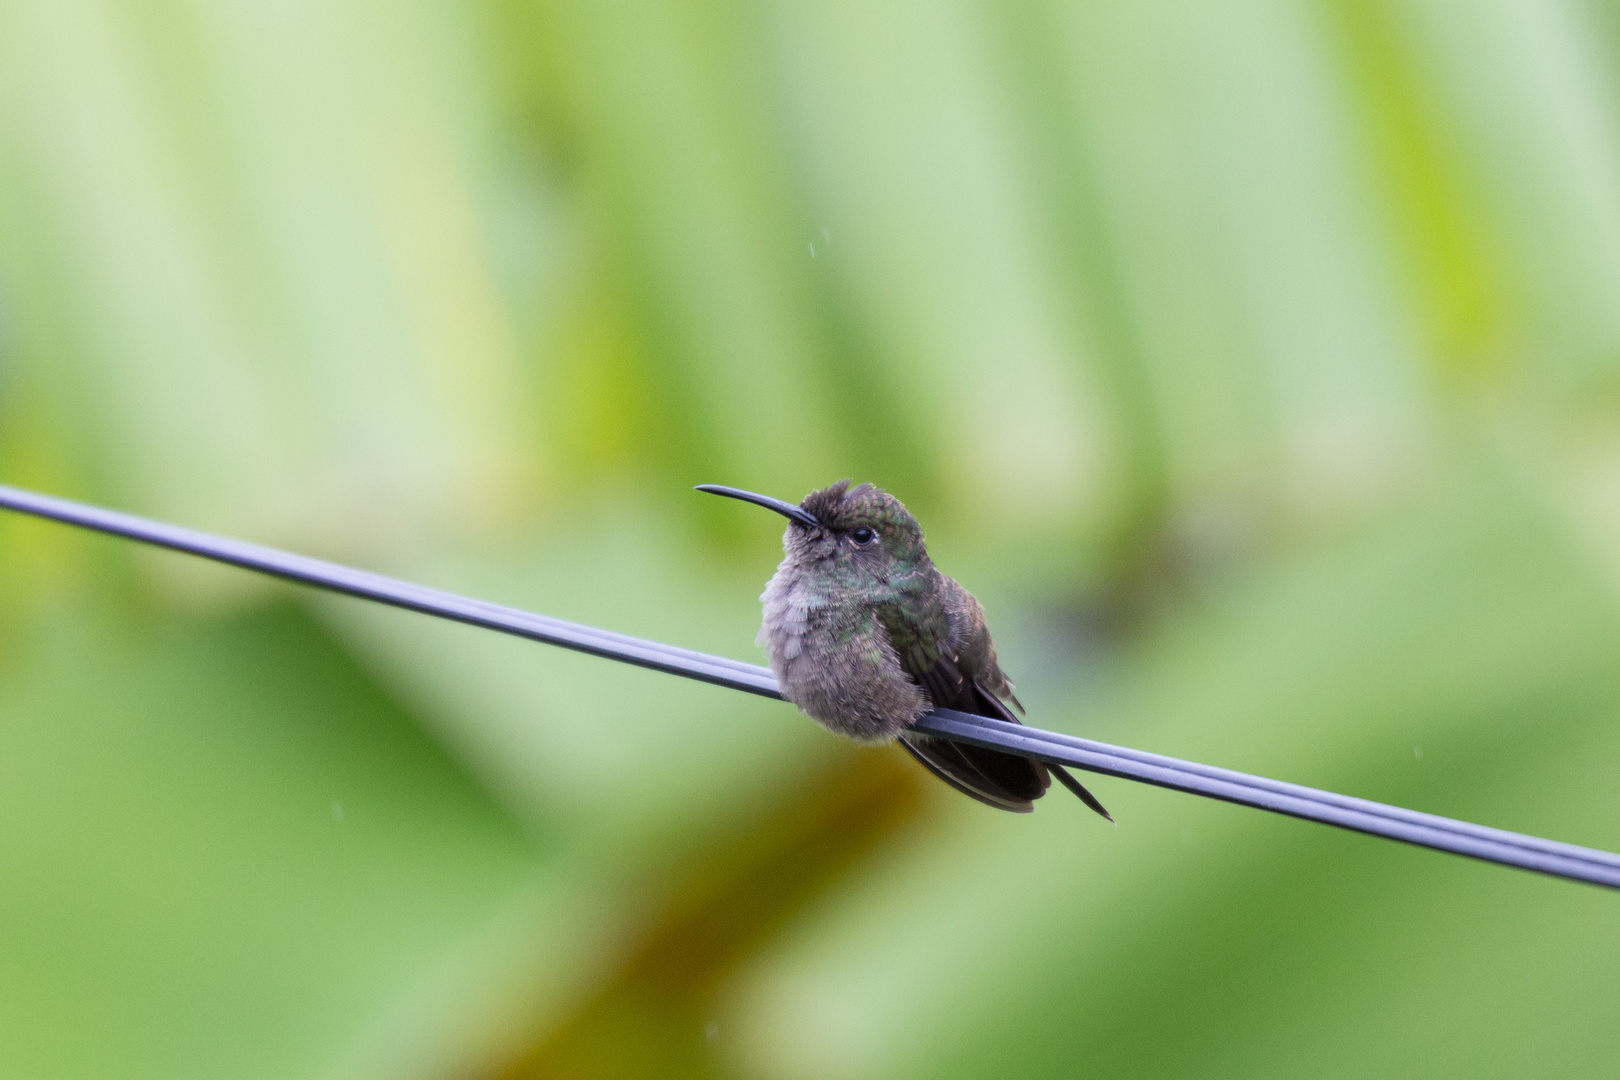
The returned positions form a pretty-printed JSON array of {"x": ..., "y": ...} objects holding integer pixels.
[{"x": 1257, "y": 365}]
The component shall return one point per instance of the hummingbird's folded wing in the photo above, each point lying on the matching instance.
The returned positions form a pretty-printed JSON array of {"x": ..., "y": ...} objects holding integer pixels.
[
  {"x": 1005, "y": 781},
  {"x": 955, "y": 764},
  {"x": 995, "y": 707}
]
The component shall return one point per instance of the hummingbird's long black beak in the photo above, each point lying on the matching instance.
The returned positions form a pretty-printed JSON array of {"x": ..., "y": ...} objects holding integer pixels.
[{"x": 786, "y": 509}]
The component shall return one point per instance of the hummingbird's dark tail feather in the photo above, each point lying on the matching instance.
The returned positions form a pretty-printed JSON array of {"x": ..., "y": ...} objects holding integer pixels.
[{"x": 1080, "y": 791}]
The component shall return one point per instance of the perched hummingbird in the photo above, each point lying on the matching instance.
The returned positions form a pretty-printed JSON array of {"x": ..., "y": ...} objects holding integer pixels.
[{"x": 865, "y": 635}]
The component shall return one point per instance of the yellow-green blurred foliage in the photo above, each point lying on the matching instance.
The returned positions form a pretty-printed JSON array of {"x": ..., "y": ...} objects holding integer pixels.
[{"x": 1257, "y": 364}]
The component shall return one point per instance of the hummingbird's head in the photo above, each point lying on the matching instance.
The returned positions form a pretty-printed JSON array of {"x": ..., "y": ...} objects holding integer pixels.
[{"x": 863, "y": 526}]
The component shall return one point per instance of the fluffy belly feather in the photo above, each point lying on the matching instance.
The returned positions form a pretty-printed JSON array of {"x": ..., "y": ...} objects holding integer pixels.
[{"x": 835, "y": 663}]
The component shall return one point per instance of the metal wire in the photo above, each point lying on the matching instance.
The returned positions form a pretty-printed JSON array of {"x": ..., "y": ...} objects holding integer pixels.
[{"x": 1361, "y": 815}]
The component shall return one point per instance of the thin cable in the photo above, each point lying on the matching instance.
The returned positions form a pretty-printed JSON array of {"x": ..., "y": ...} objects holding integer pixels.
[
  {"x": 1343, "y": 802},
  {"x": 1361, "y": 815},
  {"x": 1376, "y": 819},
  {"x": 386, "y": 590}
]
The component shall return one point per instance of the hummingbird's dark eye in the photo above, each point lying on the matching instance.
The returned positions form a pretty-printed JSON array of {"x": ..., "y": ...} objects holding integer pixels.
[{"x": 863, "y": 536}]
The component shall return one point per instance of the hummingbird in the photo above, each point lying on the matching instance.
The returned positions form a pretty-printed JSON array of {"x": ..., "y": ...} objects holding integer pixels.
[{"x": 865, "y": 635}]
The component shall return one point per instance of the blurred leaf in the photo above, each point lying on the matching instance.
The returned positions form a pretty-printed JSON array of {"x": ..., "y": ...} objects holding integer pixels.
[
  {"x": 229, "y": 853},
  {"x": 282, "y": 318}
]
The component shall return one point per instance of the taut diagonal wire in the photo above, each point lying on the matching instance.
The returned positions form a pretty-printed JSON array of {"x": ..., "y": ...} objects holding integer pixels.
[{"x": 1377, "y": 819}]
